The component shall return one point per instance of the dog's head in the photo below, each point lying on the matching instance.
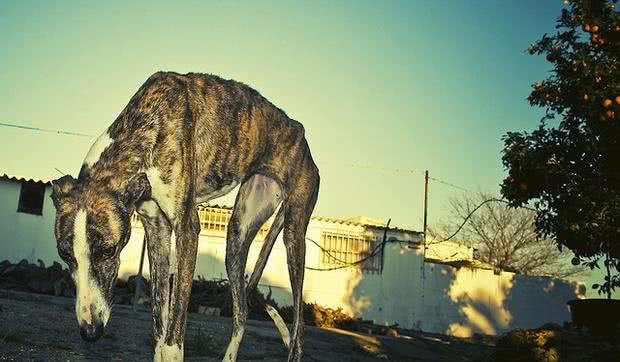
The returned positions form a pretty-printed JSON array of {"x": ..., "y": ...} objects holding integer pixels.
[{"x": 92, "y": 227}]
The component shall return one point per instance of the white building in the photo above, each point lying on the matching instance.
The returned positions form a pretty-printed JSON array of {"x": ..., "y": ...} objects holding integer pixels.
[
  {"x": 26, "y": 219},
  {"x": 396, "y": 285}
]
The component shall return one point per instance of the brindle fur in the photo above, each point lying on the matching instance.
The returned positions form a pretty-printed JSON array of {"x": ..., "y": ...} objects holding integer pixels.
[{"x": 203, "y": 134}]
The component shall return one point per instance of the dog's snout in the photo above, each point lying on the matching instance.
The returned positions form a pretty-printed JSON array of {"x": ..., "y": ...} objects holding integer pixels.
[{"x": 91, "y": 332}]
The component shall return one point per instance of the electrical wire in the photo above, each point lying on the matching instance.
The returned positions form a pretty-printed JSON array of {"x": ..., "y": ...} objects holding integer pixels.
[
  {"x": 346, "y": 264},
  {"x": 474, "y": 211},
  {"x": 448, "y": 184},
  {"x": 371, "y": 167},
  {"x": 69, "y": 133},
  {"x": 382, "y": 244}
]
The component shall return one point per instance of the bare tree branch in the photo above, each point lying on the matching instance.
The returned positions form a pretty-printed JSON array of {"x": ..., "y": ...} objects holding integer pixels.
[{"x": 505, "y": 237}]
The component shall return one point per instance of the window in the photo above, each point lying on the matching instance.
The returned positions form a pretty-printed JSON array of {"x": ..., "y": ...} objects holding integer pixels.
[
  {"x": 215, "y": 220},
  {"x": 339, "y": 248},
  {"x": 31, "y": 198}
]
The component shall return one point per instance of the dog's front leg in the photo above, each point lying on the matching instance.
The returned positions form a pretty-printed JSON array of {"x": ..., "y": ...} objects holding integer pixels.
[
  {"x": 158, "y": 233},
  {"x": 186, "y": 239}
]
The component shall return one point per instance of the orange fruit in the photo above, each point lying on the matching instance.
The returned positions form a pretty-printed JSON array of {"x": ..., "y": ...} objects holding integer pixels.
[
  {"x": 607, "y": 102},
  {"x": 618, "y": 99},
  {"x": 594, "y": 28}
]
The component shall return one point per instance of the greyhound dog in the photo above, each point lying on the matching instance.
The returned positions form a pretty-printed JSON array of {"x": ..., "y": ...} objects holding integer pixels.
[{"x": 183, "y": 140}]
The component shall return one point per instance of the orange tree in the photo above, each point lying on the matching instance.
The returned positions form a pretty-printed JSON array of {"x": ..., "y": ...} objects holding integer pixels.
[{"x": 569, "y": 167}]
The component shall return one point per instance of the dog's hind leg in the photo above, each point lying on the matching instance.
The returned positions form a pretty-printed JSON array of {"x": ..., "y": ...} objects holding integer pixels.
[
  {"x": 256, "y": 201},
  {"x": 300, "y": 206},
  {"x": 261, "y": 262}
]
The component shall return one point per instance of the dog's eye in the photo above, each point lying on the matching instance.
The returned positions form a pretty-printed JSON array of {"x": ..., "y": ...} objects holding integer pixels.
[{"x": 107, "y": 252}]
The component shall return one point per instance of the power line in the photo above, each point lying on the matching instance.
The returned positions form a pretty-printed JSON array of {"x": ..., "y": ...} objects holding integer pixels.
[
  {"x": 68, "y": 133},
  {"x": 449, "y": 184},
  {"x": 389, "y": 169},
  {"x": 366, "y": 166},
  {"x": 473, "y": 212},
  {"x": 348, "y": 265},
  {"x": 326, "y": 251},
  {"x": 410, "y": 171}
]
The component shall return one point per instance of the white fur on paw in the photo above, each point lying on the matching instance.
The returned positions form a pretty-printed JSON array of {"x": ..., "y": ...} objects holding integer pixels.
[
  {"x": 165, "y": 353},
  {"x": 233, "y": 347}
]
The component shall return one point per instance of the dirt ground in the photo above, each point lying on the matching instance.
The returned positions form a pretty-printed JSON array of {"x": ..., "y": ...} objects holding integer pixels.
[{"x": 43, "y": 328}]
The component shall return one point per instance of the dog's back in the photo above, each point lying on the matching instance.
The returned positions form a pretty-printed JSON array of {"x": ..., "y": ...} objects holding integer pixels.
[{"x": 236, "y": 131}]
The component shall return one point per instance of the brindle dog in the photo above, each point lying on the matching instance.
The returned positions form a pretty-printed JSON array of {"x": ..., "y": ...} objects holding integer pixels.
[{"x": 183, "y": 140}]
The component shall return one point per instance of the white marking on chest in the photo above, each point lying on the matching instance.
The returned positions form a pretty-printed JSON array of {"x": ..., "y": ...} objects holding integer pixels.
[
  {"x": 149, "y": 209},
  {"x": 162, "y": 193},
  {"x": 88, "y": 292},
  {"x": 97, "y": 149}
]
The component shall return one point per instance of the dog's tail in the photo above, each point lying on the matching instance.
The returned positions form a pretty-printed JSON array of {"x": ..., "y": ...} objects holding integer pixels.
[
  {"x": 277, "y": 319},
  {"x": 265, "y": 251}
]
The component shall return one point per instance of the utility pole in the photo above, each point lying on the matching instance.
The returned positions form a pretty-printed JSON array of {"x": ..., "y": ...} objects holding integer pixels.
[
  {"x": 423, "y": 263},
  {"x": 425, "y": 208}
]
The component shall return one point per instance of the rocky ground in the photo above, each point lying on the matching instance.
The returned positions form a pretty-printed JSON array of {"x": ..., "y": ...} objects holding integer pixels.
[
  {"x": 37, "y": 323},
  {"x": 36, "y": 327}
]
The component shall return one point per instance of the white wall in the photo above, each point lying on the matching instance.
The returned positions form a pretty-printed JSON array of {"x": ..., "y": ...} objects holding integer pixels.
[
  {"x": 432, "y": 297},
  {"x": 25, "y": 236}
]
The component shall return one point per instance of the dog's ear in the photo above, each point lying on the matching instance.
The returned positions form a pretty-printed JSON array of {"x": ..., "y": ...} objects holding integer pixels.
[
  {"x": 137, "y": 189},
  {"x": 61, "y": 187}
]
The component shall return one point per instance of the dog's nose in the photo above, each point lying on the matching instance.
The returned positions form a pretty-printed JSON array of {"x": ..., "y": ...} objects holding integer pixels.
[{"x": 91, "y": 332}]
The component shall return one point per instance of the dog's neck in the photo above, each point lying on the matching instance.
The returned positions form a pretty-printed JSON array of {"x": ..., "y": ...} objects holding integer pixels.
[{"x": 112, "y": 161}]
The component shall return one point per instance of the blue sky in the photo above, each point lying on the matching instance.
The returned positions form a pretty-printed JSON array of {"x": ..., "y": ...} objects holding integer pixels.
[{"x": 379, "y": 86}]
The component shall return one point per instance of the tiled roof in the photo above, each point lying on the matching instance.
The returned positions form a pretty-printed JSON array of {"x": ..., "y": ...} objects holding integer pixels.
[
  {"x": 216, "y": 206},
  {"x": 357, "y": 223},
  {"x": 23, "y": 178},
  {"x": 331, "y": 220}
]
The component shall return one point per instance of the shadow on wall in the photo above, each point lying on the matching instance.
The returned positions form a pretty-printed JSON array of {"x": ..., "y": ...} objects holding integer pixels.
[
  {"x": 426, "y": 296},
  {"x": 458, "y": 301}
]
